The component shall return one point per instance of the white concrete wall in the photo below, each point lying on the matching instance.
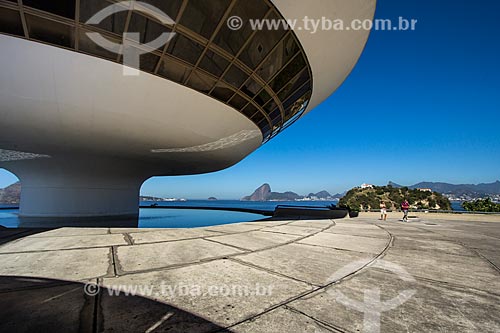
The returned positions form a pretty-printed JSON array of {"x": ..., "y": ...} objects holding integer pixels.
[
  {"x": 104, "y": 133},
  {"x": 78, "y": 186},
  {"x": 57, "y": 102}
]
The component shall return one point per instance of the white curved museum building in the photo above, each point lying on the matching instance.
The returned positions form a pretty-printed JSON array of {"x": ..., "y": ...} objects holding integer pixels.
[{"x": 82, "y": 134}]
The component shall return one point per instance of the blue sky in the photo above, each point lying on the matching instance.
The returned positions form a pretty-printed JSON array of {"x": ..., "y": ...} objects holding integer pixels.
[{"x": 422, "y": 105}]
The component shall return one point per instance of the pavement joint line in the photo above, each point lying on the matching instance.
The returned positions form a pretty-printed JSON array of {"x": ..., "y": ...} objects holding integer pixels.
[
  {"x": 367, "y": 265},
  {"x": 457, "y": 286},
  {"x": 474, "y": 250},
  {"x": 215, "y": 233},
  {"x": 233, "y": 246},
  {"x": 233, "y": 257},
  {"x": 59, "y": 250},
  {"x": 202, "y": 261},
  {"x": 315, "y": 290},
  {"x": 367, "y": 236},
  {"x": 309, "y": 227},
  {"x": 114, "y": 260},
  {"x": 328, "y": 325},
  {"x": 398, "y": 240},
  {"x": 488, "y": 260},
  {"x": 111, "y": 266},
  {"x": 450, "y": 283},
  {"x": 267, "y": 270},
  {"x": 391, "y": 236},
  {"x": 166, "y": 241},
  {"x": 289, "y": 233},
  {"x": 391, "y": 241},
  {"x": 230, "y": 232},
  {"x": 479, "y": 254},
  {"x": 488, "y": 235},
  {"x": 174, "y": 266},
  {"x": 122, "y": 273},
  {"x": 95, "y": 321},
  {"x": 271, "y": 308},
  {"x": 281, "y": 233},
  {"x": 189, "y": 238},
  {"x": 128, "y": 238},
  {"x": 105, "y": 246},
  {"x": 134, "y": 244},
  {"x": 218, "y": 233},
  {"x": 166, "y": 268},
  {"x": 66, "y": 236},
  {"x": 336, "y": 248},
  {"x": 95, "y": 313},
  {"x": 296, "y": 240}
]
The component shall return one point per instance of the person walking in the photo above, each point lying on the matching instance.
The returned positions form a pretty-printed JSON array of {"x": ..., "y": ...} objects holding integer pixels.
[
  {"x": 383, "y": 211},
  {"x": 405, "y": 206}
]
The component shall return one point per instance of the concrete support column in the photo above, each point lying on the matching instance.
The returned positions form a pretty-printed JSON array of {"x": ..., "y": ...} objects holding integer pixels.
[{"x": 78, "y": 187}]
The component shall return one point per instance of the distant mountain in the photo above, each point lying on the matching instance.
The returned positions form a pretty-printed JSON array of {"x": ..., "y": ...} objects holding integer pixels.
[
  {"x": 340, "y": 195},
  {"x": 394, "y": 185},
  {"x": 461, "y": 189},
  {"x": 11, "y": 194},
  {"x": 260, "y": 194},
  {"x": 263, "y": 193},
  {"x": 493, "y": 188},
  {"x": 320, "y": 195},
  {"x": 458, "y": 190},
  {"x": 287, "y": 196}
]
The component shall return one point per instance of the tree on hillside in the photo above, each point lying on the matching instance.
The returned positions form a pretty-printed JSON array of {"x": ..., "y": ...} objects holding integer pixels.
[
  {"x": 370, "y": 198},
  {"x": 482, "y": 205}
]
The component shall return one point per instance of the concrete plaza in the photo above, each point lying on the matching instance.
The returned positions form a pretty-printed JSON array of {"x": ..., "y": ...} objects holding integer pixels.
[{"x": 439, "y": 272}]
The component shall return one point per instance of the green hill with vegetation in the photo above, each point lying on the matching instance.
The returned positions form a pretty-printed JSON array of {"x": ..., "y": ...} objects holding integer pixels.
[
  {"x": 370, "y": 198},
  {"x": 482, "y": 205}
]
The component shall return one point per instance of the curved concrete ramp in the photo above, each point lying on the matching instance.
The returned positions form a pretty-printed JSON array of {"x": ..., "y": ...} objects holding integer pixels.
[{"x": 301, "y": 276}]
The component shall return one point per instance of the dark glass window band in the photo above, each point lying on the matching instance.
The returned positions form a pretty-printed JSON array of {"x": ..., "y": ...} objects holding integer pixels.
[{"x": 264, "y": 75}]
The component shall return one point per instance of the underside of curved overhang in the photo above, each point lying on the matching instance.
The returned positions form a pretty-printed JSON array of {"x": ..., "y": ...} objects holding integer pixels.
[{"x": 59, "y": 103}]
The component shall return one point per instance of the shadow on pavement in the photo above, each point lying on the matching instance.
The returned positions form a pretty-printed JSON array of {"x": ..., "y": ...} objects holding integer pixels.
[
  {"x": 44, "y": 305},
  {"x": 8, "y": 235}
]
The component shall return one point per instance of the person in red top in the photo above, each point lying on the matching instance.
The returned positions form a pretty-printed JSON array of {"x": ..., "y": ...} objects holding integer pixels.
[{"x": 405, "y": 206}]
